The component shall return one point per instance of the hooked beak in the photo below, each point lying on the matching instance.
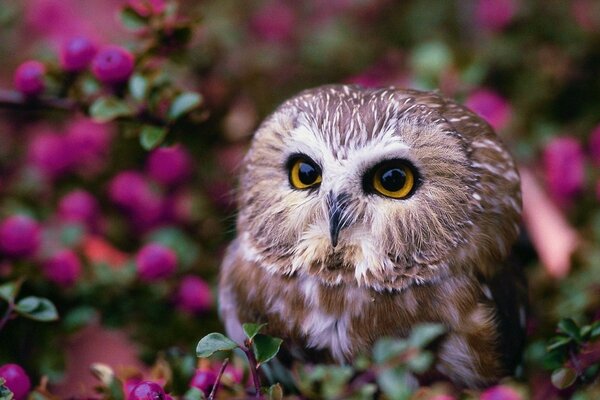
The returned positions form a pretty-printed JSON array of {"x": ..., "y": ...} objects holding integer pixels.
[{"x": 337, "y": 215}]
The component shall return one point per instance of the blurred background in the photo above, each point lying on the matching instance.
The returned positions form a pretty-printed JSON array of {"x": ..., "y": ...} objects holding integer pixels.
[{"x": 93, "y": 209}]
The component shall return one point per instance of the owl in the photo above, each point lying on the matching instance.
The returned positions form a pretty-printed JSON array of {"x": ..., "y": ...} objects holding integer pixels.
[{"x": 363, "y": 212}]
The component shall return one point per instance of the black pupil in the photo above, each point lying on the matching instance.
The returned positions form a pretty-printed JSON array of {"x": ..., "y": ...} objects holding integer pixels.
[
  {"x": 307, "y": 173},
  {"x": 393, "y": 179}
]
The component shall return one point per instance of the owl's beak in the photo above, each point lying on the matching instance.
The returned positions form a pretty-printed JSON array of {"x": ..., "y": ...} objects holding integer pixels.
[{"x": 337, "y": 215}]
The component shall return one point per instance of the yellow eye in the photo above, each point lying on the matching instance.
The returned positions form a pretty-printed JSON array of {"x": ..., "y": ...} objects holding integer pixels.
[
  {"x": 304, "y": 173},
  {"x": 394, "y": 179}
]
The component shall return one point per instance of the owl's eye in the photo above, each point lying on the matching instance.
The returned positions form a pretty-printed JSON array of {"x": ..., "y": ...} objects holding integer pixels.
[
  {"x": 304, "y": 173},
  {"x": 393, "y": 178}
]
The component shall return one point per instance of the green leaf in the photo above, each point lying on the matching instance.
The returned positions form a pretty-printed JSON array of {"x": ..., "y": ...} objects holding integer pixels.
[
  {"x": 138, "y": 87},
  {"x": 421, "y": 362},
  {"x": 37, "y": 308},
  {"x": 9, "y": 291},
  {"x": 214, "y": 342},
  {"x": 252, "y": 329},
  {"x": 595, "y": 331},
  {"x": 275, "y": 392},
  {"x": 152, "y": 136},
  {"x": 393, "y": 382},
  {"x": 563, "y": 377},
  {"x": 387, "y": 348},
  {"x": 265, "y": 347},
  {"x": 194, "y": 394},
  {"x": 131, "y": 19},
  {"x": 558, "y": 341},
  {"x": 423, "y": 334},
  {"x": 183, "y": 104},
  {"x": 569, "y": 327},
  {"x": 106, "y": 109},
  {"x": 5, "y": 393}
]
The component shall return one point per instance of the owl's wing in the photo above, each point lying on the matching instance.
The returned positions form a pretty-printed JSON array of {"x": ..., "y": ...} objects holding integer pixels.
[{"x": 507, "y": 290}]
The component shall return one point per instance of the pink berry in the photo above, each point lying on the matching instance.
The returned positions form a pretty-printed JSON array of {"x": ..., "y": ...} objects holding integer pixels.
[
  {"x": 204, "y": 379},
  {"x": 63, "y": 268},
  {"x": 113, "y": 64},
  {"x": 50, "y": 153},
  {"x": 494, "y": 15},
  {"x": 16, "y": 380},
  {"x": 194, "y": 295},
  {"x": 29, "y": 78},
  {"x": 155, "y": 261},
  {"x": 20, "y": 236},
  {"x": 147, "y": 390},
  {"x": 490, "y": 106},
  {"x": 79, "y": 206},
  {"x": 169, "y": 165},
  {"x": 147, "y": 8},
  {"x": 500, "y": 393},
  {"x": 564, "y": 167},
  {"x": 77, "y": 53},
  {"x": 90, "y": 144}
]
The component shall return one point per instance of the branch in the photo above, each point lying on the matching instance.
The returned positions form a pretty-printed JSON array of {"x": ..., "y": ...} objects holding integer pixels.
[{"x": 14, "y": 100}]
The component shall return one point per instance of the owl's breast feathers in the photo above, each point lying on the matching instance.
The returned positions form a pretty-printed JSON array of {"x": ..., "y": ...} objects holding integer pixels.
[{"x": 324, "y": 323}]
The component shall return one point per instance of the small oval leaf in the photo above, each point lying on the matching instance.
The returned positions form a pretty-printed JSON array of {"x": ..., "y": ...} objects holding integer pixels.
[
  {"x": 152, "y": 136},
  {"x": 37, "y": 308},
  {"x": 9, "y": 290},
  {"x": 563, "y": 377},
  {"x": 183, "y": 104},
  {"x": 252, "y": 330},
  {"x": 138, "y": 87},
  {"x": 131, "y": 19},
  {"x": 214, "y": 342},
  {"x": 265, "y": 347},
  {"x": 106, "y": 109},
  {"x": 569, "y": 327}
]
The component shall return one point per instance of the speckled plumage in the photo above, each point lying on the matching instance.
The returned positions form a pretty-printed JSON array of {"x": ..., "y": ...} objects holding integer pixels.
[{"x": 436, "y": 256}]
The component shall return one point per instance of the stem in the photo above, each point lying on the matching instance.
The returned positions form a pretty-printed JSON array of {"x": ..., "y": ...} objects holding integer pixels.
[
  {"x": 247, "y": 349},
  {"x": 14, "y": 100},
  {"x": 215, "y": 387},
  {"x": 7, "y": 314}
]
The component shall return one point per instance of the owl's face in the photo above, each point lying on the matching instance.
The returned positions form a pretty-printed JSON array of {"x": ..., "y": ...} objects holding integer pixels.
[{"x": 381, "y": 188}]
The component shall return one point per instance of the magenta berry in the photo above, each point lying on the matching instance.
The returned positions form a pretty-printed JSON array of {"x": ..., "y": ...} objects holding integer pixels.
[
  {"x": 194, "y": 295},
  {"x": 77, "y": 53},
  {"x": 155, "y": 261},
  {"x": 564, "y": 167},
  {"x": 113, "y": 64},
  {"x": 29, "y": 78},
  {"x": 17, "y": 380},
  {"x": 79, "y": 206},
  {"x": 147, "y": 8},
  {"x": 147, "y": 390},
  {"x": 20, "y": 236},
  {"x": 63, "y": 268},
  {"x": 204, "y": 379},
  {"x": 169, "y": 165},
  {"x": 50, "y": 153},
  {"x": 500, "y": 393}
]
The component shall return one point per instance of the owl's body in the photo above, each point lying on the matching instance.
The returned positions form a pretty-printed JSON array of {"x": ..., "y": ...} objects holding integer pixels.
[{"x": 364, "y": 212}]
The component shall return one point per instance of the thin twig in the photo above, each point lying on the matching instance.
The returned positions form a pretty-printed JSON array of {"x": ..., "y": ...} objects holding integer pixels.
[
  {"x": 7, "y": 314},
  {"x": 14, "y": 100},
  {"x": 247, "y": 349},
  {"x": 215, "y": 387}
]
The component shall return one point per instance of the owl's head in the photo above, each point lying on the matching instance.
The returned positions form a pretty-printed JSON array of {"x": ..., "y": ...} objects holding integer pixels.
[{"x": 382, "y": 188}]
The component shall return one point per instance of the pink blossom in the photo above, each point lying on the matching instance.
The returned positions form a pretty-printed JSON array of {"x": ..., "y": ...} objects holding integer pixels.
[
  {"x": 63, "y": 268},
  {"x": 563, "y": 162},
  {"x": 79, "y": 206},
  {"x": 20, "y": 236},
  {"x": 155, "y": 262},
  {"x": 113, "y": 64},
  {"x": 29, "y": 78},
  {"x": 274, "y": 22},
  {"x": 50, "y": 152},
  {"x": 89, "y": 143},
  {"x": 594, "y": 143},
  {"x": 133, "y": 193},
  {"x": 194, "y": 295},
  {"x": 169, "y": 165},
  {"x": 494, "y": 15},
  {"x": 76, "y": 53},
  {"x": 500, "y": 392},
  {"x": 147, "y": 8},
  {"x": 490, "y": 106}
]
